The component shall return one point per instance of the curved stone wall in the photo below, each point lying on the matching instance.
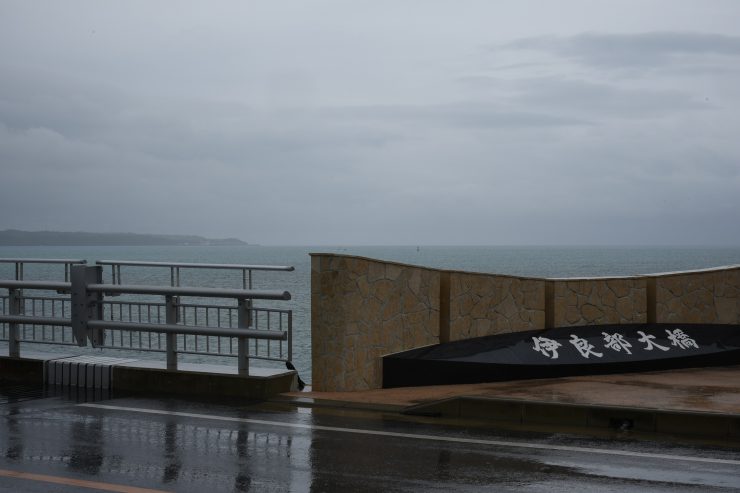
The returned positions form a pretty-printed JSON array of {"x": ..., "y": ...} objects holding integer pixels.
[
  {"x": 617, "y": 300},
  {"x": 483, "y": 304},
  {"x": 710, "y": 296},
  {"x": 362, "y": 309}
]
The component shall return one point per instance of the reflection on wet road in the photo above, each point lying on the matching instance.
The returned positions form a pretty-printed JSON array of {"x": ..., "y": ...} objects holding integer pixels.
[{"x": 174, "y": 445}]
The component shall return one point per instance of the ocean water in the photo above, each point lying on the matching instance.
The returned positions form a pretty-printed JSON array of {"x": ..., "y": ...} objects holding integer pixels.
[{"x": 540, "y": 261}]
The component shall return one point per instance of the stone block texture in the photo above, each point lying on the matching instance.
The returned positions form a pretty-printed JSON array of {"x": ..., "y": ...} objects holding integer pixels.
[
  {"x": 484, "y": 304},
  {"x": 696, "y": 297},
  {"x": 599, "y": 301},
  {"x": 362, "y": 309}
]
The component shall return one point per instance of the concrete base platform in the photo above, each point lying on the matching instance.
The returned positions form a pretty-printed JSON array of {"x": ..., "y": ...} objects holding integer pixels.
[
  {"x": 152, "y": 376},
  {"x": 702, "y": 401},
  {"x": 28, "y": 369},
  {"x": 202, "y": 380}
]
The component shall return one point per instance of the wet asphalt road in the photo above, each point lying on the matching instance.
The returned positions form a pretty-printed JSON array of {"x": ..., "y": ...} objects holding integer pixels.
[{"x": 175, "y": 445}]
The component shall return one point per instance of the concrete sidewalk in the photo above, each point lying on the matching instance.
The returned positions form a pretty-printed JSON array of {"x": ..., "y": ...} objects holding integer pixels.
[
  {"x": 703, "y": 402},
  {"x": 134, "y": 375},
  {"x": 700, "y": 401}
]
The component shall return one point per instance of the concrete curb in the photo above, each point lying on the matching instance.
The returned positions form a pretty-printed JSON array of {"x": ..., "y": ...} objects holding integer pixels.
[
  {"x": 543, "y": 415},
  {"x": 337, "y": 404},
  {"x": 594, "y": 416},
  {"x": 149, "y": 377}
]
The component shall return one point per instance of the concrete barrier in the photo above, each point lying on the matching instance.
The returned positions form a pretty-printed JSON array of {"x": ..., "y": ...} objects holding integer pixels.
[{"x": 144, "y": 376}]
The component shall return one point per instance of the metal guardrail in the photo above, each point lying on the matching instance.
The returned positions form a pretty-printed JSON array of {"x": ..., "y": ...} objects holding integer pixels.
[
  {"x": 41, "y": 285},
  {"x": 175, "y": 268},
  {"x": 250, "y": 294},
  {"x": 20, "y": 262},
  {"x": 84, "y": 315}
]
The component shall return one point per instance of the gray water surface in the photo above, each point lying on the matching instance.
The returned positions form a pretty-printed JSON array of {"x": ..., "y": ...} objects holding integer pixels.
[{"x": 536, "y": 261}]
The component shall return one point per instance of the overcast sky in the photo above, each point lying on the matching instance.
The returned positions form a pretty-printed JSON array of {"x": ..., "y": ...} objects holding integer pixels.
[{"x": 374, "y": 122}]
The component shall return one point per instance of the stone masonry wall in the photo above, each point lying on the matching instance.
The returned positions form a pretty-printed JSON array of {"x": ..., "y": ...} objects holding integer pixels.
[
  {"x": 362, "y": 309},
  {"x": 482, "y": 304},
  {"x": 599, "y": 301},
  {"x": 701, "y": 296}
]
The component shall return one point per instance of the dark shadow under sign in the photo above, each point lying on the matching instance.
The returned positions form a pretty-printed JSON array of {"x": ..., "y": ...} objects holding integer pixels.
[{"x": 565, "y": 351}]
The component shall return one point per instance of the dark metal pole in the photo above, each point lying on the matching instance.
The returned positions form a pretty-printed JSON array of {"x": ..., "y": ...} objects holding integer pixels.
[
  {"x": 14, "y": 345},
  {"x": 171, "y": 303},
  {"x": 243, "y": 342}
]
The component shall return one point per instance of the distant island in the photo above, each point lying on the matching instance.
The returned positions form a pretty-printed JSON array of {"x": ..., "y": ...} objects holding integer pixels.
[{"x": 14, "y": 237}]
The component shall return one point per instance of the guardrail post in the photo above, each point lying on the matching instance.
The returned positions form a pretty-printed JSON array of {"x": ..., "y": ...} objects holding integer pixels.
[
  {"x": 97, "y": 336},
  {"x": 14, "y": 308},
  {"x": 243, "y": 343},
  {"x": 86, "y": 305},
  {"x": 171, "y": 303},
  {"x": 290, "y": 336}
]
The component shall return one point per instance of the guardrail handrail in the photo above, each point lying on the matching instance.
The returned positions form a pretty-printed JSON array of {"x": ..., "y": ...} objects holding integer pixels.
[
  {"x": 20, "y": 262},
  {"x": 25, "y": 319},
  {"x": 41, "y": 261},
  {"x": 189, "y": 329},
  {"x": 41, "y": 285},
  {"x": 175, "y": 267},
  {"x": 240, "y": 294},
  {"x": 87, "y": 298},
  {"x": 190, "y": 265}
]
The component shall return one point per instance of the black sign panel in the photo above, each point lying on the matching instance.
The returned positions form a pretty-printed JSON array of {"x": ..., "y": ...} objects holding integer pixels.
[{"x": 565, "y": 351}]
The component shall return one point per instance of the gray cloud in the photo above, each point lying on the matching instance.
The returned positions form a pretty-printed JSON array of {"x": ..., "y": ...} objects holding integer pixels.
[
  {"x": 325, "y": 126},
  {"x": 565, "y": 99},
  {"x": 469, "y": 114},
  {"x": 568, "y": 96},
  {"x": 645, "y": 50}
]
